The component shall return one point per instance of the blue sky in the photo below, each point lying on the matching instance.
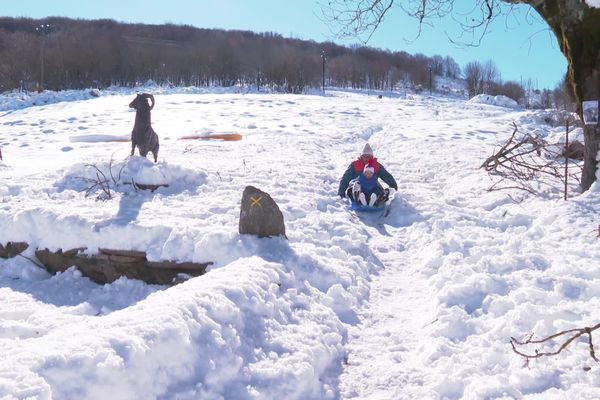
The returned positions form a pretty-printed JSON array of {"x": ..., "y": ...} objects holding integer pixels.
[{"x": 522, "y": 47}]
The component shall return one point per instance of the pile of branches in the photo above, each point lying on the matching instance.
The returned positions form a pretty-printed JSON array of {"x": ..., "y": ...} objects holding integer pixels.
[
  {"x": 101, "y": 185},
  {"x": 529, "y": 163}
]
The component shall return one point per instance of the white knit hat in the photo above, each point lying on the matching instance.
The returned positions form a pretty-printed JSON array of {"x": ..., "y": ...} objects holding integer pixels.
[
  {"x": 367, "y": 150},
  {"x": 368, "y": 168}
]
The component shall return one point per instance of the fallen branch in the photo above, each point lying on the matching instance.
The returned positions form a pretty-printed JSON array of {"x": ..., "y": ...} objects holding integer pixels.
[
  {"x": 575, "y": 333},
  {"x": 101, "y": 181},
  {"x": 32, "y": 260},
  {"x": 526, "y": 163}
]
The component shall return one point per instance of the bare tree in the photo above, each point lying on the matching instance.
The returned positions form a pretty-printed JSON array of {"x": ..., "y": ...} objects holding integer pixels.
[
  {"x": 80, "y": 54},
  {"x": 563, "y": 97},
  {"x": 474, "y": 78},
  {"x": 491, "y": 76},
  {"x": 574, "y": 22},
  {"x": 546, "y": 99},
  {"x": 437, "y": 65},
  {"x": 451, "y": 68}
]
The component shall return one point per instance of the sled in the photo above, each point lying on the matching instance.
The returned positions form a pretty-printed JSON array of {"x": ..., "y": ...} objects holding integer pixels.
[
  {"x": 100, "y": 138},
  {"x": 222, "y": 136},
  {"x": 366, "y": 208},
  {"x": 383, "y": 206}
]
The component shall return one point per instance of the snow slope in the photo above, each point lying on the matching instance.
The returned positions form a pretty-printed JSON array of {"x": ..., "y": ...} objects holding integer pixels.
[{"x": 418, "y": 305}]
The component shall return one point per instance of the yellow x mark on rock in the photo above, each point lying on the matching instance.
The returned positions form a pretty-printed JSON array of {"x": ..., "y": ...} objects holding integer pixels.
[{"x": 256, "y": 201}]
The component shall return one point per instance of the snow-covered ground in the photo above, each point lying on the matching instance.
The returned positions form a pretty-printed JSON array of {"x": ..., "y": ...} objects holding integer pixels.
[{"x": 420, "y": 304}]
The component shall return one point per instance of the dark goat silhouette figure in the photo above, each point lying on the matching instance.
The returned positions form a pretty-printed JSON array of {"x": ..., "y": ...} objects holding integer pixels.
[{"x": 143, "y": 136}]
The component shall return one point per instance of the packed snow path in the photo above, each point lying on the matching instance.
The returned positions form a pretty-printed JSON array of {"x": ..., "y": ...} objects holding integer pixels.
[
  {"x": 417, "y": 305},
  {"x": 386, "y": 348}
]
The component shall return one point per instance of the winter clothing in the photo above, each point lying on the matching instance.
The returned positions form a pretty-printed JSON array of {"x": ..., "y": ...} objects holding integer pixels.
[
  {"x": 356, "y": 168},
  {"x": 369, "y": 168},
  {"x": 359, "y": 165},
  {"x": 370, "y": 189},
  {"x": 367, "y": 185},
  {"x": 367, "y": 150},
  {"x": 362, "y": 199}
]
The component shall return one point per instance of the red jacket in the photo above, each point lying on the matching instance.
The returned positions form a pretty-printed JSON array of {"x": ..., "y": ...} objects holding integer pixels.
[{"x": 359, "y": 165}]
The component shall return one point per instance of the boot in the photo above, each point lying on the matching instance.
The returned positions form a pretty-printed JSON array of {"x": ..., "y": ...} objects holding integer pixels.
[
  {"x": 362, "y": 199},
  {"x": 356, "y": 190},
  {"x": 373, "y": 199}
]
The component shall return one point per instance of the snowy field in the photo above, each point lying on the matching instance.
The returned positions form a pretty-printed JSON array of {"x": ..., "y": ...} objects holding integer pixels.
[{"x": 420, "y": 304}]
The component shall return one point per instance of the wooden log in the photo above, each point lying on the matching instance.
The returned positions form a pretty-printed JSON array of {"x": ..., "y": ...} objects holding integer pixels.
[
  {"x": 109, "y": 265},
  {"x": 12, "y": 249},
  {"x": 143, "y": 186},
  {"x": 128, "y": 253}
]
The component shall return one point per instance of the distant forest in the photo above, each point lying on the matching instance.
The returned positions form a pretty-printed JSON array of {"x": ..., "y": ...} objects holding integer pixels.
[
  {"x": 61, "y": 53},
  {"x": 82, "y": 53}
]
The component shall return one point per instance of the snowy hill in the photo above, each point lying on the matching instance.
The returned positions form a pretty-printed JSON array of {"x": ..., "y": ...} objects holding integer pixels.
[{"x": 420, "y": 304}]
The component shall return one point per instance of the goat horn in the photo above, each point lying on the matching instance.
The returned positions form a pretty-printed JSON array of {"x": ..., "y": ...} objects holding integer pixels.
[{"x": 149, "y": 96}]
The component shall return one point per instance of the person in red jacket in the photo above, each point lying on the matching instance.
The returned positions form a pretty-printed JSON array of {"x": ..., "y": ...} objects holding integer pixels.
[{"x": 348, "y": 183}]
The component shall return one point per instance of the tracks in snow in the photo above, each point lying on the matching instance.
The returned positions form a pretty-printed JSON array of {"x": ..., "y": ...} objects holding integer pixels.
[
  {"x": 386, "y": 349},
  {"x": 383, "y": 349}
]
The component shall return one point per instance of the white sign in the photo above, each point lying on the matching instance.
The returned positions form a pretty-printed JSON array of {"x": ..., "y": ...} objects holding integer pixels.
[{"x": 590, "y": 112}]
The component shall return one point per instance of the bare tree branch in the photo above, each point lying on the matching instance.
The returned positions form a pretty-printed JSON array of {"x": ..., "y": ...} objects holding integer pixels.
[
  {"x": 355, "y": 18},
  {"x": 575, "y": 333},
  {"x": 527, "y": 163}
]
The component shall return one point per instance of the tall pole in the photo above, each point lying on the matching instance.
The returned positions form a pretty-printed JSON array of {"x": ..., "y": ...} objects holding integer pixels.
[
  {"x": 42, "y": 30},
  {"x": 42, "y": 63},
  {"x": 323, "y": 57},
  {"x": 430, "y": 80},
  {"x": 566, "y": 158}
]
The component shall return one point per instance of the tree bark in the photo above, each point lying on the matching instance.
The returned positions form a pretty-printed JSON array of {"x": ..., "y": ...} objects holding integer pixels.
[{"x": 577, "y": 28}]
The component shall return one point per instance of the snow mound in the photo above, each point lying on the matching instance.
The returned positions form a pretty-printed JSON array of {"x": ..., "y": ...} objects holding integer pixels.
[
  {"x": 17, "y": 100},
  {"x": 500, "y": 101},
  {"x": 120, "y": 176}
]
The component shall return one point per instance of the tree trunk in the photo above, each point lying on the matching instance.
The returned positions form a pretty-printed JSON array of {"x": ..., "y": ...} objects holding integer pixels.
[
  {"x": 590, "y": 165},
  {"x": 577, "y": 28}
]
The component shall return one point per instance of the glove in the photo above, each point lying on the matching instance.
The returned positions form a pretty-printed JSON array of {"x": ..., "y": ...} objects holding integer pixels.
[
  {"x": 391, "y": 192},
  {"x": 356, "y": 190}
]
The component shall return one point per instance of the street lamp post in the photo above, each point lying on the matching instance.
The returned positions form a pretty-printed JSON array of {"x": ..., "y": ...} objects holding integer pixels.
[
  {"x": 430, "y": 80},
  {"x": 43, "y": 30},
  {"x": 324, "y": 58}
]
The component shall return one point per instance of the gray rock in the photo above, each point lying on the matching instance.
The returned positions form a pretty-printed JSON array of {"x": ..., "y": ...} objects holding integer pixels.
[{"x": 260, "y": 215}]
